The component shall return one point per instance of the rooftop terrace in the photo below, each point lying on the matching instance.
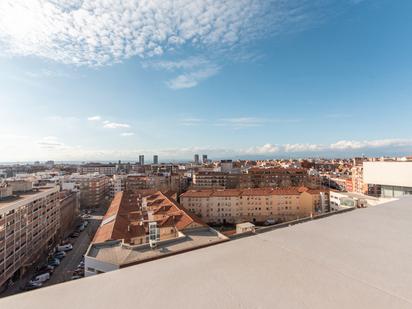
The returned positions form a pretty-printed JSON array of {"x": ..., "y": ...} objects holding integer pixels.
[
  {"x": 358, "y": 259},
  {"x": 122, "y": 254}
]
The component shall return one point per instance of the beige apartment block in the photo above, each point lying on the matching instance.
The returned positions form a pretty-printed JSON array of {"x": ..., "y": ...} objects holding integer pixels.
[
  {"x": 29, "y": 225},
  {"x": 254, "y": 205},
  {"x": 94, "y": 188}
]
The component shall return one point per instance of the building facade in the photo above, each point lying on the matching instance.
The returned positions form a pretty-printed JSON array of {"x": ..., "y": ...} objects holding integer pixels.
[
  {"x": 388, "y": 179},
  {"x": 69, "y": 211},
  {"x": 215, "y": 180},
  {"x": 274, "y": 177},
  {"x": 253, "y": 205},
  {"x": 94, "y": 189},
  {"x": 29, "y": 226},
  {"x": 103, "y": 169}
]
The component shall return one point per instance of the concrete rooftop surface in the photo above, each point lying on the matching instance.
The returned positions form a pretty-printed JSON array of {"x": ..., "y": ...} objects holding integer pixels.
[{"x": 358, "y": 259}]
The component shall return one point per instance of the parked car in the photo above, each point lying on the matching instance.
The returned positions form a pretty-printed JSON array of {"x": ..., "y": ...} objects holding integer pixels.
[
  {"x": 45, "y": 269},
  {"x": 270, "y": 221},
  {"x": 32, "y": 286},
  {"x": 66, "y": 247},
  {"x": 54, "y": 262},
  {"x": 59, "y": 254},
  {"x": 85, "y": 223},
  {"x": 74, "y": 235},
  {"x": 75, "y": 277},
  {"x": 40, "y": 278}
]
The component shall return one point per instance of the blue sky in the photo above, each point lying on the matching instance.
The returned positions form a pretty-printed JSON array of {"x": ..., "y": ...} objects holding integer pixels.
[{"x": 86, "y": 80}]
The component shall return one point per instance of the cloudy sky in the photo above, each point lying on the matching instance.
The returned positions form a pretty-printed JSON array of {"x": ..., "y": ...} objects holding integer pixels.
[{"x": 108, "y": 80}]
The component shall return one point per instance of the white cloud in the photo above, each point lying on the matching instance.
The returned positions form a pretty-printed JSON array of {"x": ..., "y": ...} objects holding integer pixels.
[
  {"x": 353, "y": 145},
  {"x": 241, "y": 122},
  {"x": 94, "y": 118},
  {"x": 338, "y": 146},
  {"x": 302, "y": 148},
  {"x": 115, "y": 125},
  {"x": 265, "y": 149},
  {"x": 101, "y": 32},
  {"x": 127, "y": 134},
  {"x": 247, "y": 122},
  {"x": 192, "y": 78},
  {"x": 44, "y": 73},
  {"x": 51, "y": 147},
  {"x": 51, "y": 142},
  {"x": 97, "y": 32},
  {"x": 181, "y": 64},
  {"x": 191, "y": 121}
]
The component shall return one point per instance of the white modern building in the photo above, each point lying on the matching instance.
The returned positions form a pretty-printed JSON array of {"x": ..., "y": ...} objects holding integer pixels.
[
  {"x": 394, "y": 179},
  {"x": 341, "y": 200}
]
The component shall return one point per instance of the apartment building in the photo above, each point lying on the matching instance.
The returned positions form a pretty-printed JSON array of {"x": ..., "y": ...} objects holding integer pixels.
[
  {"x": 104, "y": 169},
  {"x": 215, "y": 180},
  {"x": 254, "y": 205},
  {"x": 358, "y": 186},
  {"x": 69, "y": 210},
  {"x": 160, "y": 182},
  {"x": 274, "y": 177},
  {"x": 94, "y": 189},
  {"x": 5, "y": 191},
  {"x": 29, "y": 225},
  {"x": 118, "y": 184}
]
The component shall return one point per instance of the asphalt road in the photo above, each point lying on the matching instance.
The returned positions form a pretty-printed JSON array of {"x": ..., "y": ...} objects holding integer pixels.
[{"x": 65, "y": 270}]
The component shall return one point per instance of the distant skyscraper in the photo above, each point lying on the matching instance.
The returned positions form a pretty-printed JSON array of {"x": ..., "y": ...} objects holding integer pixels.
[
  {"x": 204, "y": 158},
  {"x": 141, "y": 159},
  {"x": 196, "y": 159},
  {"x": 155, "y": 159}
]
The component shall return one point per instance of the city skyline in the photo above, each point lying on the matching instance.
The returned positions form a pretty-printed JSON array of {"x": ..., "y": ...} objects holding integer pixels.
[{"x": 231, "y": 79}]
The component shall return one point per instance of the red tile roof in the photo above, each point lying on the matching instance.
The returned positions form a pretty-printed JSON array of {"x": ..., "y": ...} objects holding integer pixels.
[
  {"x": 126, "y": 220},
  {"x": 243, "y": 192}
]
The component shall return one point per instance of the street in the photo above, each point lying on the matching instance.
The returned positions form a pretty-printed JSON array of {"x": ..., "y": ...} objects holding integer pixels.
[
  {"x": 69, "y": 263},
  {"x": 64, "y": 271}
]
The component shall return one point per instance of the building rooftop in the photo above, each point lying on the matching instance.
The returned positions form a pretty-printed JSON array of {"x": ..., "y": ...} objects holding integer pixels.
[
  {"x": 121, "y": 254},
  {"x": 248, "y": 192},
  {"x": 17, "y": 198},
  {"x": 358, "y": 259}
]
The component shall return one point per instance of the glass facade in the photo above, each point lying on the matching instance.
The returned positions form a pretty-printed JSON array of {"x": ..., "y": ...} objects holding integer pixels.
[{"x": 394, "y": 191}]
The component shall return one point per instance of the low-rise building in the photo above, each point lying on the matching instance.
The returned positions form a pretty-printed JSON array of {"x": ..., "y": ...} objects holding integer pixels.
[
  {"x": 139, "y": 228},
  {"x": 245, "y": 227},
  {"x": 342, "y": 200}
]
